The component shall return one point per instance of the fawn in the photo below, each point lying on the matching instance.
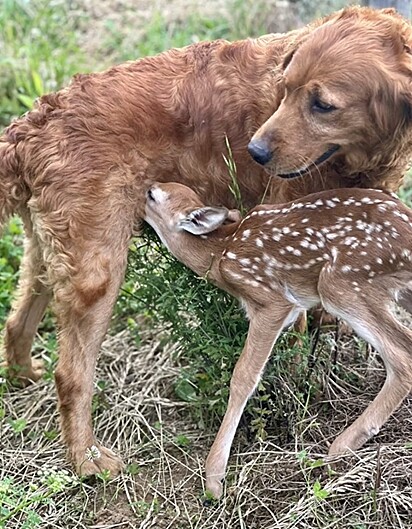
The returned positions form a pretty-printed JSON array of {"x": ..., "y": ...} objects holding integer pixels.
[{"x": 348, "y": 249}]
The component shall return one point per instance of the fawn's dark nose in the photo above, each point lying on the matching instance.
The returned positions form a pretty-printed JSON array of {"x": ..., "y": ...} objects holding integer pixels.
[
  {"x": 149, "y": 195},
  {"x": 259, "y": 151}
]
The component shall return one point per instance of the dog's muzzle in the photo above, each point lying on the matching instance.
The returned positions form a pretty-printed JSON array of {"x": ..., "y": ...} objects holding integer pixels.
[{"x": 325, "y": 156}]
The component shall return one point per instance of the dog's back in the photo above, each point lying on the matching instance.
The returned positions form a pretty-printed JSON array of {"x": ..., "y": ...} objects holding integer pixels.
[{"x": 158, "y": 116}]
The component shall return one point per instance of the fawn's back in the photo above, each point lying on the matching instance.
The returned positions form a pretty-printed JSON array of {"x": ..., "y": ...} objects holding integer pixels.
[{"x": 362, "y": 235}]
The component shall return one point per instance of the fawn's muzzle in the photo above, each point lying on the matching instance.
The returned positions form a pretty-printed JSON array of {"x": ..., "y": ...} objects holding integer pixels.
[{"x": 149, "y": 195}]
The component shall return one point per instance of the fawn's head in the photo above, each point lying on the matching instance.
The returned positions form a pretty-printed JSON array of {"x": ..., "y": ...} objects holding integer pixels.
[{"x": 173, "y": 209}]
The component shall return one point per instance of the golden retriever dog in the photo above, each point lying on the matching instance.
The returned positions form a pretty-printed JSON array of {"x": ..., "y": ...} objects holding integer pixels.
[{"x": 324, "y": 107}]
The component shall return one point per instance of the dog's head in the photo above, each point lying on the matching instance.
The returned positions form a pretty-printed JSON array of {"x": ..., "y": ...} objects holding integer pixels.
[{"x": 347, "y": 95}]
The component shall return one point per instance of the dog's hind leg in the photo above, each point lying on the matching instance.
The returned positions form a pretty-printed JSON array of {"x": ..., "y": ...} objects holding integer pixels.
[
  {"x": 27, "y": 311},
  {"x": 84, "y": 302}
]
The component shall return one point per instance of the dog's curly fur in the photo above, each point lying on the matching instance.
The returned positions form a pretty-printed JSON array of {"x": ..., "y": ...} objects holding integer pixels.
[{"x": 77, "y": 166}]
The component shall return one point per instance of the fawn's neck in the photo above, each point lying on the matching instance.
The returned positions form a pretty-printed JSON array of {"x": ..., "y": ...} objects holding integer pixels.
[{"x": 202, "y": 253}]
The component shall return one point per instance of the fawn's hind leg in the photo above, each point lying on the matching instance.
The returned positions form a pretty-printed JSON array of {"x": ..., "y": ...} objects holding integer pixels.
[
  {"x": 27, "y": 311},
  {"x": 369, "y": 315}
]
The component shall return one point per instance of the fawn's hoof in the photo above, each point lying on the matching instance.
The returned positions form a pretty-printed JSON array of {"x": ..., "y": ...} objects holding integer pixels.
[
  {"x": 214, "y": 487},
  {"x": 337, "y": 449}
]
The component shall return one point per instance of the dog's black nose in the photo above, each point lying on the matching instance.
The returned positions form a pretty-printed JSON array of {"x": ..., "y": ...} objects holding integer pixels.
[{"x": 259, "y": 151}]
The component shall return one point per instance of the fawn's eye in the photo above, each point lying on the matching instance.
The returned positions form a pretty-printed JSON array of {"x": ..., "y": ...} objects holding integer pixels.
[
  {"x": 320, "y": 106},
  {"x": 150, "y": 195}
]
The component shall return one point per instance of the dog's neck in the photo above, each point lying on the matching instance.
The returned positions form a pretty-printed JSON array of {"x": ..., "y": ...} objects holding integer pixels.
[{"x": 383, "y": 170}]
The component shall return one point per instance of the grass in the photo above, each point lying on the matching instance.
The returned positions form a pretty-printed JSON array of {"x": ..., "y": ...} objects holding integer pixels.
[
  {"x": 159, "y": 35},
  {"x": 163, "y": 376},
  {"x": 278, "y": 482},
  {"x": 39, "y": 52}
]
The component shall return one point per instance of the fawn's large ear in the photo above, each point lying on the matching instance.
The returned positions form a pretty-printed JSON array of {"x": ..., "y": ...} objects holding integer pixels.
[{"x": 203, "y": 220}]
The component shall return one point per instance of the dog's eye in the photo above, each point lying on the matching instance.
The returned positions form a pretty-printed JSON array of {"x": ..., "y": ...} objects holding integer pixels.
[{"x": 320, "y": 106}]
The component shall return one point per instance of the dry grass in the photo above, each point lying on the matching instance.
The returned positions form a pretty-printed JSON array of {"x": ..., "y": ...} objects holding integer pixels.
[{"x": 268, "y": 485}]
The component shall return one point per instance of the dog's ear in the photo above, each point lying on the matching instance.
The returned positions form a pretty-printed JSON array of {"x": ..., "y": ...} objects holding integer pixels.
[
  {"x": 294, "y": 45},
  {"x": 391, "y": 107},
  {"x": 391, "y": 104},
  {"x": 203, "y": 220},
  {"x": 288, "y": 58},
  {"x": 301, "y": 36}
]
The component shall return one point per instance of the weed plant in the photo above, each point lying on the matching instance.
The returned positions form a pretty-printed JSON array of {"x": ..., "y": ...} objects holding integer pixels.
[
  {"x": 211, "y": 328},
  {"x": 10, "y": 255},
  {"x": 24, "y": 502},
  {"x": 39, "y": 52}
]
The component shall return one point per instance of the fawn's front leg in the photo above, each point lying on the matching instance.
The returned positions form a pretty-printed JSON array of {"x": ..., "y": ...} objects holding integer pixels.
[{"x": 265, "y": 326}]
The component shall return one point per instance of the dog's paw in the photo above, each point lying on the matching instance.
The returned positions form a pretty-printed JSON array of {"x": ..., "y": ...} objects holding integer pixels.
[
  {"x": 96, "y": 459},
  {"x": 23, "y": 376}
]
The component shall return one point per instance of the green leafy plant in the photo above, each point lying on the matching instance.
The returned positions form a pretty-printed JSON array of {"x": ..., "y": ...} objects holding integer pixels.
[
  {"x": 142, "y": 507},
  {"x": 182, "y": 440},
  {"x": 319, "y": 492},
  {"x": 18, "y": 425},
  {"x": 39, "y": 52},
  {"x": 210, "y": 327},
  {"x": 207, "y": 322},
  {"x": 22, "y": 501},
  {"x": 405, "y": 193},
  {"x": 11, "y": 250}
]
